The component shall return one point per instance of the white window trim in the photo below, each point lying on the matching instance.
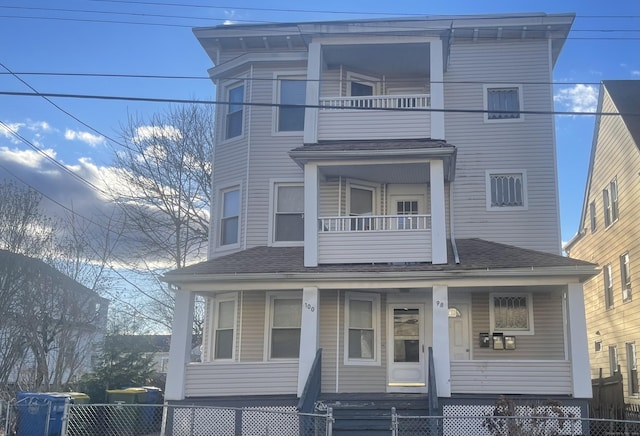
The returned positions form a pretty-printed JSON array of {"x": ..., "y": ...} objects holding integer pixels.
[
  {"x": 375, "y": 82},
  {"x": 274, "y": 183},
  {"x": 530, "y": 331},
  {"x": 374, "y": 188},
  {"x": 593, "y": 217},
  {"x": 485, "y": 100},
  {"x": 609, "y": 191},
  {"x": 277, "y": 76},
  {"x": 376, "y": 321},
  {"x": 219, "y": 210},
  {"x": 625, "y": 279},
  {"x": 525, "y": 200},
  {"x": 225, "y": 88},
  {"x": 630, "y": 365},
  {"x": 214, "y": 325},
  {"x": 607, "y": 278},
  {"x": 268, "y": 322}
]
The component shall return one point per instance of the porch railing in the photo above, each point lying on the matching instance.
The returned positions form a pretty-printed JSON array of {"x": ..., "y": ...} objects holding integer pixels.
[
  {"x": 409, "y": 101},
  {"x": 374, "y": 223}
]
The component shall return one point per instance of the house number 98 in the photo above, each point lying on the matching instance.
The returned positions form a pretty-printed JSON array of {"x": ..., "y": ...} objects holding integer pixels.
[{"x": 310, "y": 306}]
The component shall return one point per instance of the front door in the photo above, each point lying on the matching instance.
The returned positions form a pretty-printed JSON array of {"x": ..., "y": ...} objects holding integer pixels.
[
  {"x": 459, "y": 331},
  {"x": 406, "y": 356}
]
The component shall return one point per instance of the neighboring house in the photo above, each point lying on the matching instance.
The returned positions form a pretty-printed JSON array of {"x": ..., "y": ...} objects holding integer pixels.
[
  {"x": 411, "y": 205},
  {"x": 155, "y": 347},
  {"x": 51, "y": 327},
  {"x": 609, "y": 235}
]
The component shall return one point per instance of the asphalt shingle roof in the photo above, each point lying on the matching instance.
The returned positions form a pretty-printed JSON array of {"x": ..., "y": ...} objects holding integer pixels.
[{"x": 474, "y": 254}]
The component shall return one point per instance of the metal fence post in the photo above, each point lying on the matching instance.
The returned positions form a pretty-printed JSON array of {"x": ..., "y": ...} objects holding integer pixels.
[
  {"x": 394, "y": 422},
  {"x": 163, "y": 426},
  {"x": 65, "y": 417},
  {"x": 329, "y": 421}
]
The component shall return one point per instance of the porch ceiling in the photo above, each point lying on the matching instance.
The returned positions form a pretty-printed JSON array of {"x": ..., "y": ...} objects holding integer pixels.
[
  {"x": 386, "y": 173},
  {"x": 396, "y": 60}
]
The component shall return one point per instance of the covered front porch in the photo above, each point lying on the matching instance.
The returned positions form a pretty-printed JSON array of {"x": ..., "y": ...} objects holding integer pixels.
[{"x": 374, "y": 330}]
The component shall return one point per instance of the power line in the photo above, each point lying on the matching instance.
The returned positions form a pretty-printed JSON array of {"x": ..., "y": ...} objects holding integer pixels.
[
  {"x": 266, "y": 79},
  {"x": 226, "y": 103},
  {"x": 480, "y": 37},
  {"x": 191, "y": 17}
]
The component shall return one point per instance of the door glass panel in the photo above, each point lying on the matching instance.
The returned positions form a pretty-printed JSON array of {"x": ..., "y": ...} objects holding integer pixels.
[{"x": 406, "y": 335}]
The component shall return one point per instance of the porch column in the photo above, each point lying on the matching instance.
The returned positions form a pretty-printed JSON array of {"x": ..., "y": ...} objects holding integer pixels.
[
  {"x": 309, "y": 330},
  {"x": 438, "y": 225},
  {"x": 441, "y": 340},
  {"x": 578, "y": 344},
  {"x": 180, "y": 349},
  {"x": 310, "y": 214},
  {"x": 437, "y": 89},
  {"x": 314, "y": 68}
]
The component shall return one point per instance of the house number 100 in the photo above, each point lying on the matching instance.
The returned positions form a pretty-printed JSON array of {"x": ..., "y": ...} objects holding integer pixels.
[{"x": 310, "y": 306}]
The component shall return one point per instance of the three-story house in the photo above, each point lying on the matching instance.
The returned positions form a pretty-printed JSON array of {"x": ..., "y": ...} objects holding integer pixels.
[{"x": 382, "y": 188}]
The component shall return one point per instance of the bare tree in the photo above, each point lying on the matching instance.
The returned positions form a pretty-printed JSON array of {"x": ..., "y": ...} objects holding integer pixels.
[{"x": 165, "y": 194}]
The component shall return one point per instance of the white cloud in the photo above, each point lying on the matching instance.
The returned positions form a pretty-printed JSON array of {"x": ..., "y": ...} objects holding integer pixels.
[
  {"x": 9, "y": 130},
  {"x": 578, "y": 98},
  {"x": 86, "y": 137},
  {"x": 28, "y": 158},
  {"x": 635, "y": 73},
  {"x": 38, "y": 125}
]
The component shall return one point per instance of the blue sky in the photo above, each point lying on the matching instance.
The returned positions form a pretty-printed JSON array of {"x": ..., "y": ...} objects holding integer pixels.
[{"x": 88, "y": 36}]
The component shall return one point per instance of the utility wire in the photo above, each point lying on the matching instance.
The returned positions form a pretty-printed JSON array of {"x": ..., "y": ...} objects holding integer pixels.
[
  {"x": 191, "y": 17},
  {"x": 404, "y": 28},
  {"x": 263, "y": 79},
  {"x": 227, "y": 103}
]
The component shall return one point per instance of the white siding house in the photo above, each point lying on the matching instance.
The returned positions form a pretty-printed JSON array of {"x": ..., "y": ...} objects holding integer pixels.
[{"x": 382, "y": 188}]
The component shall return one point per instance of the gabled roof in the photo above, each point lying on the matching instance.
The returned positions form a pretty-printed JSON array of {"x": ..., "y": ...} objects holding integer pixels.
[
  {"x": 475, "y": 254},
  {"x": 625, "y": 95},
  {"x": 29, "y": 265}
]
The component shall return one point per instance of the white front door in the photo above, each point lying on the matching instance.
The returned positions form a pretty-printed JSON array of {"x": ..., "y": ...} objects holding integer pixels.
[
  {"x": 459, "y": 344},
  {"x": 407, "y": 368}
]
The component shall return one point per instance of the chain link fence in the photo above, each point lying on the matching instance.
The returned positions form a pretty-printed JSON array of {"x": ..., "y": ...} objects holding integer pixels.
[
  {"x": 186, "y": 420},
  {"x": 510, "y": 426}
]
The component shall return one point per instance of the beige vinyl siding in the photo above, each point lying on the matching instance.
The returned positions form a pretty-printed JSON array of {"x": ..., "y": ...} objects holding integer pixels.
[
  {"x": 616, "y": 156},
  {"x": 214, "y": 379},
  {"x": 330, "y": 83},
  {"x": 253, "y": 325},
  {"x": 329, "y": 197},
  {"x": 509, "y": 145},
  {"x": 546, "y": 344},
  {"x": 269, "y": 158},
  {"x": 512, "y": 377},
  {"x": 365, "y": 247}
]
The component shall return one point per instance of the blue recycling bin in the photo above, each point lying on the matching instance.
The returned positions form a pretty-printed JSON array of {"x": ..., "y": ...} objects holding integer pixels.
[
  {"x": 151, "y": 416},
  {"x": 40, "y": 414}
]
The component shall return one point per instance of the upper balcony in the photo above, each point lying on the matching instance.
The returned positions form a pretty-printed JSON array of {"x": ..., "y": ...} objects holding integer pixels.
[{"x": 382, "y": 90}]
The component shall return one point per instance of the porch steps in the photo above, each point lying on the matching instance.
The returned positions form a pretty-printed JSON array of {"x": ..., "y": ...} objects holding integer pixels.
[{"x": 371, "y": 414}]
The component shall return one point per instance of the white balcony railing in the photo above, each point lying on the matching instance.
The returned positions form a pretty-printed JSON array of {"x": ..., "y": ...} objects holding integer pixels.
[
  {"x": 374, "y": 223},
  {"x": 409, "y": 101}
]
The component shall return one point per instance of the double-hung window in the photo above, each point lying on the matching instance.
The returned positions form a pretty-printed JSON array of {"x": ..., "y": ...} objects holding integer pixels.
[
  {"x": 610, "y": 202},
  {"x": 613, "y": 359},
  {"x": 632, "y": 369},
  {"x": 625, "y": 276},
  {"x": 230, "y": 216},
  {"x": 224, "y": 322},
  {"x": 292, "y": 93},
  {"x": 506, "y": 190},
  {"x": 235, "y": 109},
  {"x": 285, "y": 317},
  {"x": 608, "y": 286},
  {"x": 503, "y": 102},
  {"x": 511, "y": 313},
  {"x": 592, "y": 213},
  {"x": 288, "y": 213},
  {"x": 362, "y": 329}
]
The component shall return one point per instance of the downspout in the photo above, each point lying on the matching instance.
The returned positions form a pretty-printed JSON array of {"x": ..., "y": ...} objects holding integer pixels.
[
  {"x": 454, "y": 247},
  {"x": 246, "y": 182}
]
